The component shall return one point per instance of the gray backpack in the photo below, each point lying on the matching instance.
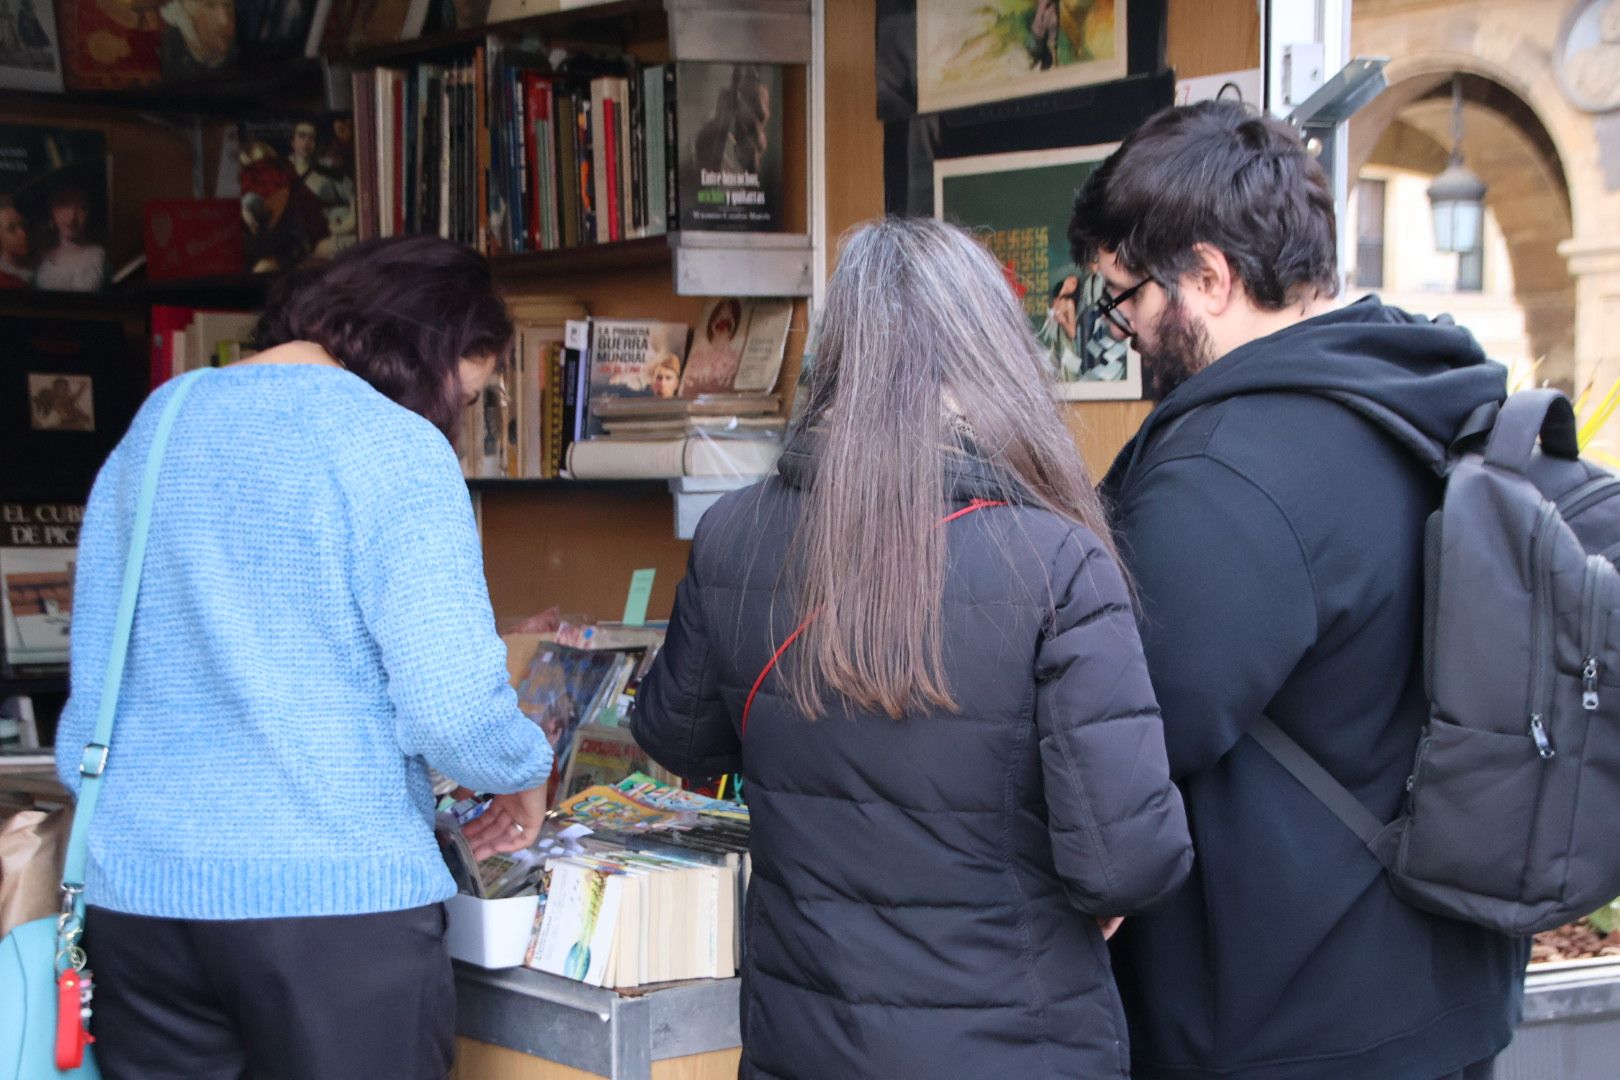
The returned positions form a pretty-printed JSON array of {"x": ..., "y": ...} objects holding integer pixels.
[{"x": 1514, "y": 795}]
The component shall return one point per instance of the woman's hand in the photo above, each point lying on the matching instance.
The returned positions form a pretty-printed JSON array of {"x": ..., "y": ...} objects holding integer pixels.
[{"x": 511, "y": 822}]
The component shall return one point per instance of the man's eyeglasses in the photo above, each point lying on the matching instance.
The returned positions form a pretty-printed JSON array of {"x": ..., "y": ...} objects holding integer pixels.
[{"x": 1108, "y": 306}]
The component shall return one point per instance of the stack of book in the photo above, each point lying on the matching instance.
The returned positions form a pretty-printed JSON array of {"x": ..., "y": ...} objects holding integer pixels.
[
  {"x": 512, "y": 152},
  {"x": 654, "y": 894},
  {"x": 651, "y": 412},
  {"x": 185, "y": 339},
  {"x": 522, "y": 425}
]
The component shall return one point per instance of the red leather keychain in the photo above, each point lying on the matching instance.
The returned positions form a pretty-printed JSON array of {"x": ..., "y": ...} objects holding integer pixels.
[{"x": 72, "y": 1013}]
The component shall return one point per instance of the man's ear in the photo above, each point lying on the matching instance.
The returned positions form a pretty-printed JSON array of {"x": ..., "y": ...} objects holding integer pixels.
[{"x": 1215, "y": 285}]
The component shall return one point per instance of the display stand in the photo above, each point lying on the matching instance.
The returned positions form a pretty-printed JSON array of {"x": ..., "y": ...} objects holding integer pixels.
[{"x": 602, "y": 1032}]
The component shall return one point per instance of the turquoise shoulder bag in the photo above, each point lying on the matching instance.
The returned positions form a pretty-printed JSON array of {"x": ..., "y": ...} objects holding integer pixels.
[{"x": 43, "y": 980}]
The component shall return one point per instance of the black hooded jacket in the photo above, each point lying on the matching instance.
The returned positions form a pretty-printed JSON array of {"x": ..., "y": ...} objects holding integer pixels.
[
  {"x": 924, "y": 890},
  {"x": 1276, "y": 540}
]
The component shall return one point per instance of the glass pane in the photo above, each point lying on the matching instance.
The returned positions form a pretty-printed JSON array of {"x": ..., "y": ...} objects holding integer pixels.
[
  {"x": 1370, "y": 234},
  {"x": 1471, "y": 270}
]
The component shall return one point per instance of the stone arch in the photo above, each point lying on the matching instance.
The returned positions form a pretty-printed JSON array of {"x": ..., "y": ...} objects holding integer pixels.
[{"x": 1530, "y": 191}]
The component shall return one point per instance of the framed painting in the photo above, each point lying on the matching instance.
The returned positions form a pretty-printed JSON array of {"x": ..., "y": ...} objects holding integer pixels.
[
  {"x": 974, "y": 51},
  {"x": 1018, "y": 204},
  {"x": 959, "y": 56}
]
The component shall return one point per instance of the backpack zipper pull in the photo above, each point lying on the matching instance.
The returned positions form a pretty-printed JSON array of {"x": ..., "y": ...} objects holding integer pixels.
[
  {"x": 1589, "y": 684},
  {"x": 1538, "y": 732}
]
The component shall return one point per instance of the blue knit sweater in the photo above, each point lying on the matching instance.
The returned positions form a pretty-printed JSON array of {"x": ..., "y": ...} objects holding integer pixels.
[{"x": 313, "y": 631}]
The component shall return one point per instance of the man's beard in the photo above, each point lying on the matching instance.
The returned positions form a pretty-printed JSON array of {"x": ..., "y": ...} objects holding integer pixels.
[{"x": 1181, "y": 350}]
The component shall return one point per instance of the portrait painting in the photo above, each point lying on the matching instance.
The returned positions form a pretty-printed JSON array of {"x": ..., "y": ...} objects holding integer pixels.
[{"x": 1018, "y": 206}]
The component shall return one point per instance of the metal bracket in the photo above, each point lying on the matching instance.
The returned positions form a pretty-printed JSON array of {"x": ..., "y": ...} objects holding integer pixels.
[
  {"x": 1336, "y": 101},
  {"x": 759, "y": 31}
]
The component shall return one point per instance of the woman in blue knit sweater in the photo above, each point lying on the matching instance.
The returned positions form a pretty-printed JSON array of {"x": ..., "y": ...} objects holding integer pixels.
[{"x": 313, "y": 631}]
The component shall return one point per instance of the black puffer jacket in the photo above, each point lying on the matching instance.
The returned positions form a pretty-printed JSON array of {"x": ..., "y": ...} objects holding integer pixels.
[{"x": 923, "y": 891}]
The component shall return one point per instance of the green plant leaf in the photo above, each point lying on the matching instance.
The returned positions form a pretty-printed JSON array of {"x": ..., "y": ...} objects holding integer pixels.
[{"x": 1605, "y": 918}]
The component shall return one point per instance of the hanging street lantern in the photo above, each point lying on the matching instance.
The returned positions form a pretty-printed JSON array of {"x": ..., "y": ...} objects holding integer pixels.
[{"x": 1457, "y": 196}]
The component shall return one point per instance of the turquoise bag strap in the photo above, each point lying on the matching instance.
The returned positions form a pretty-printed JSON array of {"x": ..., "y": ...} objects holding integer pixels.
[{"x": 93, "y": 762}]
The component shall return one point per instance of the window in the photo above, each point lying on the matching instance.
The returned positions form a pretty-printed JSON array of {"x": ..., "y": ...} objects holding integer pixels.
[
  {"x": 1471, "y": 270},
  {"x": 1370, "y": 234}
]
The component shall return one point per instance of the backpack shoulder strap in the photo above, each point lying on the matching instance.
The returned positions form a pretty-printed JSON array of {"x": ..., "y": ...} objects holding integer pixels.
[
  {"x": 1435, "y": 455},
  {"x": 1309, "y": 772}
]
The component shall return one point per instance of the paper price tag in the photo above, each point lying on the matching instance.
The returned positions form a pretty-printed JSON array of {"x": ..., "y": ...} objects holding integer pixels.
[{"x": 635, "y": 604}]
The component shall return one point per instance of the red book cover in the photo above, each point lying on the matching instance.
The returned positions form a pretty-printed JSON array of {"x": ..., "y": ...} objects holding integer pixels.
[
  {"x": 165, "y": 321},
  {"x": 610, "y": 113},
  {"x": 110, "y": 44},
  {"x": 193, "y": 238},
  {"x": 537, "y": 98}
]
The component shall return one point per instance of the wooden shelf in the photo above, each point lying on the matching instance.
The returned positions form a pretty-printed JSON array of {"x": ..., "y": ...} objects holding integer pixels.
[
  {"x": 585, "y": 259},
  {"x": 226, "y": 93},
  {"x": 232, "y": 292},
  {"x": 612, "y": 23},
  {"x": 636, "y": 487}
]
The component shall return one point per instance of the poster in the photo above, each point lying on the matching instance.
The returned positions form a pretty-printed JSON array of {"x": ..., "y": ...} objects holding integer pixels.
[
  {"x": 298, "y": 192},
  {"x": 973, "y": 51},
  {"x": 29, "y": 59},
  {"x": 53, "y": 208},
  {"x": 1018, "y": 205}
]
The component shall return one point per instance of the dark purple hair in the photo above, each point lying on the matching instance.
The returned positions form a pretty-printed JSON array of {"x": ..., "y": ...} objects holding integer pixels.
[{"x": 400, "y": 313}]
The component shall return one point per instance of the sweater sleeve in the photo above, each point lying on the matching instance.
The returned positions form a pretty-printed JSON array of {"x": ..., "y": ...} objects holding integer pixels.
[
  {"x": 419, "y": 584},
  {"x": 1119, "y": 831},
  {"x": 679, "y": 718},
  {"x": 1228, "y": 605}
]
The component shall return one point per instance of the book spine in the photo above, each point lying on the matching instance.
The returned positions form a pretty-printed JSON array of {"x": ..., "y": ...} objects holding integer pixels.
[
  {"x": 638, "y": 155},
  {"x": 534, "y": 114},
  {"x": 601, "y": 150},
  {"x": 585, "y": 155},
  {"x": 568, "y": 208},
  {"x": 517, "y": 163},
  {"x": 397, "y": 173},
  {"x": 672, "y": 197},
  {"x": 610, "y": 113},
  {"x": 481, "y": 159},
  {"x": 654, "y": 140}
]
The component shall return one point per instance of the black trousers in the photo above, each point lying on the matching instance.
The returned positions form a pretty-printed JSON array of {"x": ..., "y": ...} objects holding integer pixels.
[{"x": 351, "y": 997}]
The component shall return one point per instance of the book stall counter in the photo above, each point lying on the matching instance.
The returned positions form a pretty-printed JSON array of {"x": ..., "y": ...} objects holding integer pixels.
[{"x": 689, "y": 1026}]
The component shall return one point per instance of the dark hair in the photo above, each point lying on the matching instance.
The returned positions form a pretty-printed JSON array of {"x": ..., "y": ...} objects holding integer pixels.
[
  {"x": 400, "y": 313},
  {"x": 1220, "y": 173}
]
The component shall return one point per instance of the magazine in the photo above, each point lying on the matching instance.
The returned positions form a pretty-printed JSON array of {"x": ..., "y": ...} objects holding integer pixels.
[
  {"x": 737, "y": 347},
  {"x": 636, "y": 358}
]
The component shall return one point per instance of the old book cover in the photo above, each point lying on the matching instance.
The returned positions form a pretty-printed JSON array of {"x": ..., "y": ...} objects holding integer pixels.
[
  {"x": 67, "y": 392},
  {"x": 636, "y": 358},
  {"x": 110, "y": 44},
  {"x": 38, "y": 552},
  {"x": 728, "y": 139},
  {"x": 298, "y": 189},
  {"x": 737, "y": 347},
  {"x": 53, "y": 208},
  {"x": 29, "y": 57},
  {"x": 193, "y": 238}
]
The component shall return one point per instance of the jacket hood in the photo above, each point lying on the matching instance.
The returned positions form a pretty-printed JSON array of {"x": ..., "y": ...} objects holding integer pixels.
[{"x": 1422, "y": 378}]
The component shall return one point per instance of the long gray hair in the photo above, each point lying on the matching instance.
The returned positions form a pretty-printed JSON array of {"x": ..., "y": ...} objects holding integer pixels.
[{"x": 920, "y": 339}]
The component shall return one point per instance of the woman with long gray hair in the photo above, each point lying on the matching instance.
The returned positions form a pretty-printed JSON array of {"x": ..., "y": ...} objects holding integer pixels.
[{"x": 916, "y": 646}]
